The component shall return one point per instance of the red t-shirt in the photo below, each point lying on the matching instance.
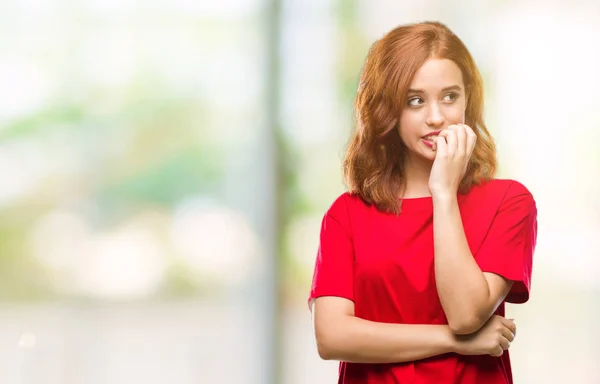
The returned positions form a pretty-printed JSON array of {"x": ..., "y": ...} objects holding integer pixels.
[{"x": 384, "y": 263}]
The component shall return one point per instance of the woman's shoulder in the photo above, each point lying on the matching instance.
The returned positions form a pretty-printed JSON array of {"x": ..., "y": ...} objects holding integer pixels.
[
  {"x": 346, "y": 205},
  {"x": 501, "y": 193},
  {"x": 345, "y": 202},
  {"x": 507, "y": 187}
]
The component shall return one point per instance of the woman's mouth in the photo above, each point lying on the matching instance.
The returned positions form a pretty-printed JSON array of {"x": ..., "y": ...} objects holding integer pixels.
[{"x": 429, "y": 140}]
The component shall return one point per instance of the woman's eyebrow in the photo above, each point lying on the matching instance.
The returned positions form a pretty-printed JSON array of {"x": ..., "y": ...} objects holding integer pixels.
[{"x": 450, "y": 88}]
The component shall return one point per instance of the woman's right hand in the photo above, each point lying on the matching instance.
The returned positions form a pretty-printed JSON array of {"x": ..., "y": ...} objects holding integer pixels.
[{"x": 492, "y": 339}]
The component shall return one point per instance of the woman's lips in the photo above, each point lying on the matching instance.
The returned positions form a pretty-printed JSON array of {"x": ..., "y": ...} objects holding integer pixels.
[
  {"x": 434, "y": 133},
  {"x": 428, "y": 139},
  {"x": 428, "y": 143}
]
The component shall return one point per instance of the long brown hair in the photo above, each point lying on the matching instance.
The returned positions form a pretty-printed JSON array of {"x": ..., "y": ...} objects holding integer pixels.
[{"x": 373, "y": 166}]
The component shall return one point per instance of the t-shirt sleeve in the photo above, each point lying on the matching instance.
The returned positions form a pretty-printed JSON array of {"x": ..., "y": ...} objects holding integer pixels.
[
  {"x": 334, "y": 266},
  {"x": 509, "y": 244}
]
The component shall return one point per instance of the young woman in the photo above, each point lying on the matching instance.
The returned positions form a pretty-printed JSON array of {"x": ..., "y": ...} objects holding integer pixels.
[{"x": 417, "y": 259}]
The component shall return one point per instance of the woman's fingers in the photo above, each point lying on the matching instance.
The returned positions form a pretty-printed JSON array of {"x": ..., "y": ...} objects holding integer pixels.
[
  {"x": 504, "y": 343},
  {"x": 461, "y": 142},
  {"x": 507, "y": 333},
  {"x": 497, "y": 352},
  {"x": 441, "y": 147},
  {"x": 510, "y": 324},
  {"x": 471, "y": 139},
  {"x": 451, "y": 140}
]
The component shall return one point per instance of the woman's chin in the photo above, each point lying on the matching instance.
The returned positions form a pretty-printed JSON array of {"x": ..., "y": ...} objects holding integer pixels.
[
  {"x": 421, "y": 157},
  {"x": 426, "y": 151},
  {"x": 422, "y": 153},
  {"x": 428, "y": 154}
]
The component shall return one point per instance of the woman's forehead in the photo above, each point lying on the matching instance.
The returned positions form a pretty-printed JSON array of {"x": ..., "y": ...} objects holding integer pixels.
[{"x": 437, "y": 75}]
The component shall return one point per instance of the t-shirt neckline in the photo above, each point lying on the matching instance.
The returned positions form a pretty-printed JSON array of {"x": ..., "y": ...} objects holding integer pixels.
[
  {"x": 416, "y": 204},
  {"x": 421, "y": 204}
]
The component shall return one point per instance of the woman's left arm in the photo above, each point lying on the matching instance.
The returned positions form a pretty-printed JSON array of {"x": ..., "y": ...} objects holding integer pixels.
[
  {"x": 468, "y": 295},
  {"x": 470, "y": 291}
]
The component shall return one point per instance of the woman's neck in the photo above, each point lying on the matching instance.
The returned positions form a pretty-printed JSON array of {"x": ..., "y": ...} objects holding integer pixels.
[{"x": 417, "y": 178}]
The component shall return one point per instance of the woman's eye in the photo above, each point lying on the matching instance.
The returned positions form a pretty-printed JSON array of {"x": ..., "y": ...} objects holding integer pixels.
[
  {"x": 415, "y": 101},
  {"x": 451, "y": 97}
]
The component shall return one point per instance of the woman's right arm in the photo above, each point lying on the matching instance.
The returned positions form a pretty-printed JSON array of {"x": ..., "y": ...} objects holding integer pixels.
[{"x": 342, "y": 336}]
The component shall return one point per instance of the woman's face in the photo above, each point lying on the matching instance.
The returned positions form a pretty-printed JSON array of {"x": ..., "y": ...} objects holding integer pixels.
[{"x": 435, "y": 100}]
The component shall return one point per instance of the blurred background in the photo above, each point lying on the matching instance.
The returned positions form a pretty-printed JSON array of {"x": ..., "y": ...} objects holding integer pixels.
[{"x": 166, "y": 165}]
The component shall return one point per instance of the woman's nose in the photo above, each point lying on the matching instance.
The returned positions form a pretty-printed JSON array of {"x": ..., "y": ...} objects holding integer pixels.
[{"x": 435, "y": 115}]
